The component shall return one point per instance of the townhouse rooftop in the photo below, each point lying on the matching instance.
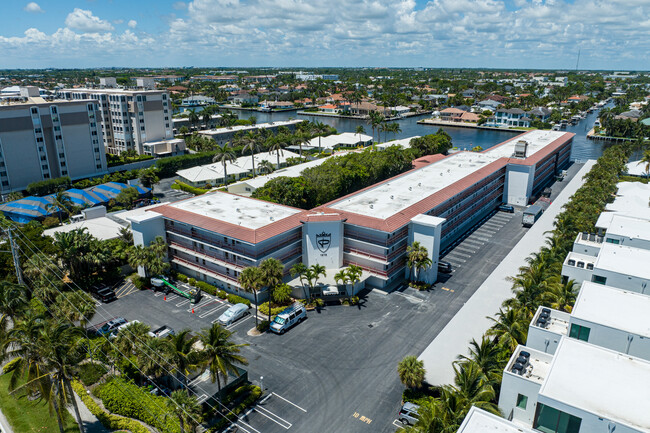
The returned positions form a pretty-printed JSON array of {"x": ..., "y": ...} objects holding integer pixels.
[
  {"x": 240, "y": 128},
  {"x": 237, "y": 210},
  {"x": 624, "y": 260},
  {"x": 600, "y": 381},
  {"x": 612, "y": 307},
  {"x": 629, "y": 227},
  {"x": 537, "y": 367},
  {"x": 479, "y": 421}
]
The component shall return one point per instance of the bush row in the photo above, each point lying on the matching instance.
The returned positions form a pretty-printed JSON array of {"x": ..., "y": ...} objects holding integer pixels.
[
  {"x": 188, "y": 188},
  {"x": 127, "y": 399},
  {"x": 264, "y": 309},
  {"x": 49, "y": 186},
  {"x": 108, "y": 420},
  {"x": 169, "y": 166},
  {"x": 212, "y": 290},
  {"x": 254, "y": 393}
]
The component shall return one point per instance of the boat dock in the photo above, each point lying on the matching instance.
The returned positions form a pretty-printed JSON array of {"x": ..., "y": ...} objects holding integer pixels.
[{"x": 438, "y": 122}]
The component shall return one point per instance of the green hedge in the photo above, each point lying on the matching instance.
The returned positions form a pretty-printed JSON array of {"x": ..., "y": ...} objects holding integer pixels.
[
  {"x": 234, "y": 299},
  {"x": 110, "y": 421},
  {"x": 127, "y": 399},
  {"x": 169, "y": 166},
  {"x": 49, "y": 186},
  {"x": 264, "y": 309},
  {"x": 90, "y": 373},
  {"x": 188, "y": 188}
]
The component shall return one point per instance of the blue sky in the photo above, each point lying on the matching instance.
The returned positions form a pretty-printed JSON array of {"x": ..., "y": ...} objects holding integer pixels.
[{"x": 611, "y": 34}]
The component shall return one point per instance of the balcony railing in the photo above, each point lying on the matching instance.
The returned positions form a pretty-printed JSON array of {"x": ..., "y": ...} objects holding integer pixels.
[
  {"x": 205, "y": 270},
  {"x": 209, "y": 255}
]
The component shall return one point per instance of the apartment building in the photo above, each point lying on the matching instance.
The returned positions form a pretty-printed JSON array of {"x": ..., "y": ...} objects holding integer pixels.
[
  {"x": 42, "y": 140},
  {"x": 434, "y": 203},
  {"x": 228, "y": 133},
  {"x": 130, "y": 118},
  {"x": 582, "y": 388}
]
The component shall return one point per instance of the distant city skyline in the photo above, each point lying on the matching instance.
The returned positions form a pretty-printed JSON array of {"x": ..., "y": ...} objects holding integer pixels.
[{"x": 518, "y": 34}]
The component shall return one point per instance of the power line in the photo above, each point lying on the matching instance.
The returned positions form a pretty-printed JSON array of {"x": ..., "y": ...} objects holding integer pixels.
[{"x": 104, "y": 316}]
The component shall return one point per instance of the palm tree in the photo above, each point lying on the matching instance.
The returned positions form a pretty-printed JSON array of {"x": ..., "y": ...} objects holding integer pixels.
[
  {"x": 206, "y": 114},
  {"x": 562, "y": 296},
  {"x": 417, "y": 258},
  {"x": 266, "y": 166},
  {"x": 395, "y": 128},
  {"x": 148, "y": 177},
  {"x": 312, "y": 274},
  {"x": 75, "y": 306},
  {"x": 319, "y": 129},
  {"x": 60, "y": 203},
  {"x": 272, "y": 272},
  {"x": 132, "y": 338},
  {"x": 411, "y": 371},
  {"x": 186, "y": 409},
  {"x": 375, "y": 118},
  {"x": 509, "y": 328},
  {"x": 224, "y": 154},
  {"x": 354, "y": 273},
  {"x": 277, "y": 148},
  {"x": 250, "y": 143},
  {"x": 219, "y": 354},
  {"x": 193, "y": 117},
  {"x": 488, "y": 356},
  {"x": 299, "y": 269},
  {"x": 360, "y": 130},
  {"x": 182, "y": 356},
  {"x": 384, "y": 127},
  {"x": 13, "y": 300},
  {"x": 341, "y": 277},
  {"x": 646, "y": 160},
  {"x": 250, "y": 279}
]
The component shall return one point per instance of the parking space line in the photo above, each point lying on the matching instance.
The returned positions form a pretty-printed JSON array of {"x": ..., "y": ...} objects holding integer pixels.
[
  {"x": 472, "y": 241},
  {"x": 183, "y": 302},
  {"x": 395, "y": 423},
  {"x": 209, "y": 312},
  {"x": 464, "y": 248},
  {"x": 157, "y": 294},
  {"x": 409, "y": 297},
  {"x": 485, "y": 230},
  {"x": 201, "y": 305},
  {"x": 172, "y": 297},
  {"x": 240, "y": 321},
  {"x": 459, "y": 253},
  {"x": 452, "y": 259},
  {"x": 258, "y": 408},
  {"x": 493, "y": 225},
  {"x": 483, "y": 240},
  {"x": 292, "y": 404}
]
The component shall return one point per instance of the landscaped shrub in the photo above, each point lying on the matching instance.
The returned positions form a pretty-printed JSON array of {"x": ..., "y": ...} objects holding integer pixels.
[
  {"x": 139, "y": 282},
  {"x": 263, "y": 326},
  {"x": 192, "y": 282},
  {"x": 181, "y": 277},
  {"x": 50, "y": 222},
  {"x": 49, "y": 186},
  {"x": 169, "y": 166},
  {"x": 188, "y": 188},
  {"x": 90, "y": 373},
  {"x": 234, "y": 299},
  {"x": 254, "y": 393},
  {"x": 110, "y": 421},
  {"x": 222, "y": 294},
  {"x": 264, "y": 309},
  {"x": 127, "y": 399},
  {"x": 207, "y": 288}
]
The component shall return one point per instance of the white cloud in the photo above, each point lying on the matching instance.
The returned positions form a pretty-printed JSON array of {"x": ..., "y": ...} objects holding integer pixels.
[
  {"x": 34, "y": 8},
  {"x": 132, "y": 23},
  {"x": 179, "y": 6},
  {"x": 84, "y": 20}
]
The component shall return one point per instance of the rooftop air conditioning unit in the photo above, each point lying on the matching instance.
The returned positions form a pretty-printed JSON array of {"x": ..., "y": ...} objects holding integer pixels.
[{"x": 521, "y": 148}]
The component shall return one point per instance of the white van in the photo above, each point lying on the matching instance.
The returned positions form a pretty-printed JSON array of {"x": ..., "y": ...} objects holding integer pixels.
[{"x": 289, "y": 317}]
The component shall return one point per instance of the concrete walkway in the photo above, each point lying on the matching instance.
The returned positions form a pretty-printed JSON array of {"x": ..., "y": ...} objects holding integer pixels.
[
  {"x": 4, "y": 424},
  {"x": 90, "y": 421},
  {"x": 471, "y": 320}
]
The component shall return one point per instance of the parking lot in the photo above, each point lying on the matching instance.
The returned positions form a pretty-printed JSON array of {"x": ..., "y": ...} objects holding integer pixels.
[{"x": 337, "y": 371}]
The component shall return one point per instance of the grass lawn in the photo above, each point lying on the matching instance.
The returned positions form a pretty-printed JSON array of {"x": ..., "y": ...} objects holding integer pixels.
[{"x": 30, "y": 416}]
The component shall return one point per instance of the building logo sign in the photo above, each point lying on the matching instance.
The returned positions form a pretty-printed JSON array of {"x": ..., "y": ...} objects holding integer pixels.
[{"x": 323, "y": 241}]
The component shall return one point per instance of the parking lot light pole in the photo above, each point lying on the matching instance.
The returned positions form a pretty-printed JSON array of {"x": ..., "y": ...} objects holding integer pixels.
[{"x": 262, "y": 383}]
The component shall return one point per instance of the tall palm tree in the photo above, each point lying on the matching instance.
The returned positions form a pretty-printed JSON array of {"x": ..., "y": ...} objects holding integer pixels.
[
  {"x": 251, "y": 143},
  {"x": 250, "y": 279},
  {"x": 360, "y": 130},
  {"x": 75, "y": 306},
  {"x": 224, "y": 154},
  {"x": 411, "y": 371},
  {"x": 13, "y": 300},
  {"x": 646, "y": 160},
  {"x": 61, "y": 203},
  {"x": 319, "y": 129},
  {"x": 562, "y": 296},
  {"x": 510, "y": 328},
  {"x": 132, "y": 338},
  {"x": 341, "y": 277},
  {"x": 354, "y": 273},
  {"x": 417, "y": 258},
  {"x": 488, "y": 356},
  {"x": 183, "y": 357},
  {"x": 299, "y": 269},
  {"x": 186, "y": 408},
  {"x": 313, "y": 273},
  {"x": 219, "y": 354},
  {"x": 266, "y": 166},
  {"x": 395, "y": 128},
  {"x": 277, "y": 148},
  {"x": 193, "y": 117},
  {"x": 272, "y": 273}
]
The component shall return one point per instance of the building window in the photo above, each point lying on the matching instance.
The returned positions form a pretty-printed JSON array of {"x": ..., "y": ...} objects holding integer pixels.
[
  {"x": 579, "y": 332},
  {"x": 550, "y": 420},
  {"x": 598, "y": 279},
  {"x": 34, "y": 110},
  {"x": 5, "y": 183},
  {"x": 612, "y": 241},
  {"x": 98, "y": 166},
  {"x": 522, "y": 401}
]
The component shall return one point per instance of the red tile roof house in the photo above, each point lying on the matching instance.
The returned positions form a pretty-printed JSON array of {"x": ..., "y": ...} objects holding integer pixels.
[
  {"x": 329, "y": 108},
  {"x": 213, "y": 237},
  {"x": 451, "y": 114}
]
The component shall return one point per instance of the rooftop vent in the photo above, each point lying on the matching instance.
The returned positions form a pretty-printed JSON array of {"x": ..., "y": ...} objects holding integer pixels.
[
  {"x": 410, "y": 188},
  {"x": 521, "y": 148},
  {"x": 392, "y": 197},
  {"x": 371, "y": 206},
  {"x": 238, "y": 210},
  {"x": 419, "y": 183}
]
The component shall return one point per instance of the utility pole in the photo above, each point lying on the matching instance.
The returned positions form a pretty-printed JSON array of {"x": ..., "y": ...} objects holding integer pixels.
[{"x": 15, "y": 254}]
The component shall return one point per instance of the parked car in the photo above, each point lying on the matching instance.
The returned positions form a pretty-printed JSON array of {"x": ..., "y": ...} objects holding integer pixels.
[
  {"x": 233, "y": 314},
  {"x": 506, "y": 208},
  {"x": 444, "y": 267},
  {"x": 163, "y": 331},
  {"x": 121, "y": 327},
  {"x": 111, "y": 326},
  {"x": 408, "y": 414},
  {"x": 288, "y": 317},
  {"x": 103, "y": 293}
]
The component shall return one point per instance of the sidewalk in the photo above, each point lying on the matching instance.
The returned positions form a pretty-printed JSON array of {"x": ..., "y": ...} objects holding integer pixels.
[
  {"x": 4, "y": 424},
  {"x": 471, "y": 320},
  {"x": 90, "y": 421}
]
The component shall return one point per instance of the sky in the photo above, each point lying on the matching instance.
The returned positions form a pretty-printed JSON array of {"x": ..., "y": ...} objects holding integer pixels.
[{"x": 529, "y": 34}]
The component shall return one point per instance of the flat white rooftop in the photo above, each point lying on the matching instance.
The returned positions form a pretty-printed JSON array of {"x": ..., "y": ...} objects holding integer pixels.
[
  {"x": 539, "y": 364},
  {"x": 537, "y": 140},
  {"x": 293, "y": 171},
  {"x": 624, "y": 260},
  {"x": 479, "y": 421},
  {"x": 404, "y": 143},
  {"x": 102, "y": 228},
  {"x": 112, "y": 90},
  {"x": 389, "y": 198},
  {"x": 632, "y": 228},
  {"x": 632, "y": 199},
  {"x": 239, "y": 128},
  {"x": 612, "y": 307},
  {"x": 243, "y": 211},
  {"x": 344, "y": 139},
  {"x": 600, "y": 381},
  {"x": 558, "y": 322}
]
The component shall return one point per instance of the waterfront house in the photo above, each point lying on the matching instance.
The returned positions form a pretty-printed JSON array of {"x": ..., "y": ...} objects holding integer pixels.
[
  {"x": 243, "y": 98},
  {"x": 451, "y": 114},
  {"x": 511, "y": 117},
  {"x": 541, "y": 113},
  {"x": 489, "y": 104},
  {"x": 328, "y": 108}
]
